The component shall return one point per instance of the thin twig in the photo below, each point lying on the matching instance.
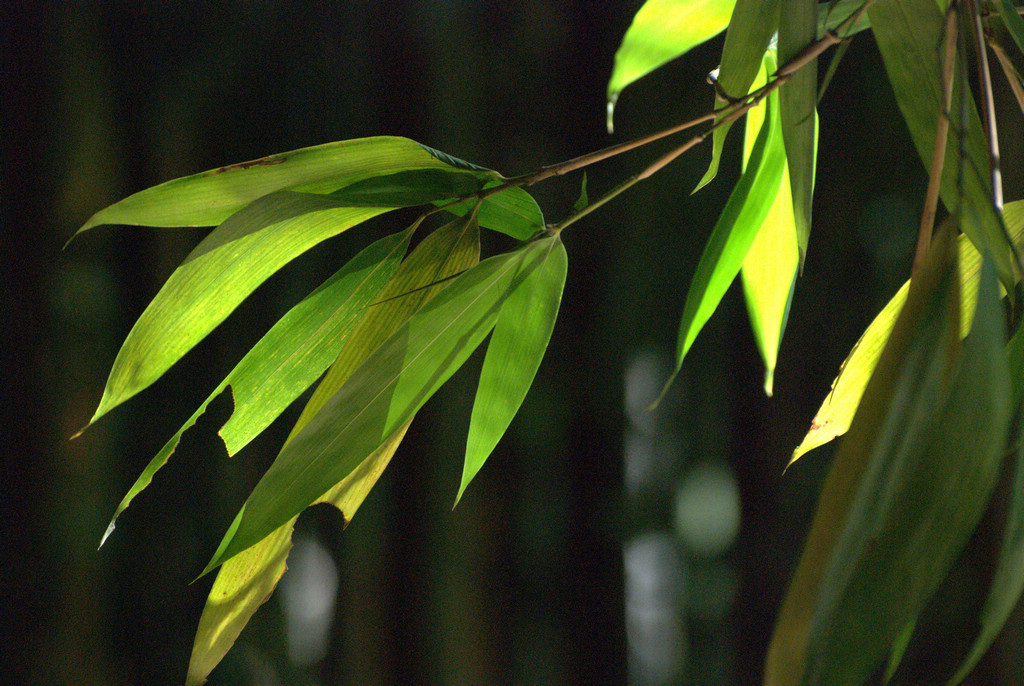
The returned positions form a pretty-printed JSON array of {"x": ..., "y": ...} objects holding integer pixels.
[
  {"x": 931, "y": 198},
  {"x": 989, "y": 107}
]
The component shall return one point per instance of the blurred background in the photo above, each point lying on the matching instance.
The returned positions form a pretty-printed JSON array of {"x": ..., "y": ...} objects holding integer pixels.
[{"x": 602, "y": 543}]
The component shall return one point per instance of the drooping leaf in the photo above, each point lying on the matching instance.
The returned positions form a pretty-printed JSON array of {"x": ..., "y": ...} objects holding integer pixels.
[
  {"x": 514, "y": 353},
  {"x": 208, "y": 198},
  {"x": 798, "y": 26},
  {"x": 292, "y": 355},
  {"x": 216, "y": 277},
  {"x": 246, "y": 581},
  {"x": 908, "y": 33},
  {"x": 381, "y": 395},
  {"x": 446, "y": 252},
  {"x": 906, "y": 488},
  {"x": 770, "y": 267},
  {"x": 741, "y": 218},
  {"x": 837, "y": 410},
  {"x": 661, "y": 31},
  {"x": 750, "y": 29},
  {"x": 582, "y": 201},
  {"x": 1007, "y": 584},
  {"x": 1013, "y": 21}
]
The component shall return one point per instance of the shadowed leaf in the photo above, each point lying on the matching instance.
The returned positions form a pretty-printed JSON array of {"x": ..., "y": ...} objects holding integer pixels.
[
  {"x": 514, "y": 353},
  {"x": 292, "y": 355}
]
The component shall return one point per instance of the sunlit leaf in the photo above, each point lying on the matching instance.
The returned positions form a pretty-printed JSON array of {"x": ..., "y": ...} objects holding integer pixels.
[
  {"x": 514, "y": 353},
  {"x": 216, "y": 277},
  {"x": 246, "y": 581},
  {"x": 442, "y": 255},
  {"x": 446, "y": 252},
  {"x": 661, "y": 31},
  {"x": 908, "y": 33},
  {"x": 903, "y": 398},
  {"x": 292, "y": 355},
  {"x": 741, "y": 218},
  {"x": 381, "y": 395},
  {"x": 770, "y": 267},
  {"x": 834, "y": 416},
  {"x": 798, "y": 25},
  {"x": 750, "y": 29},
  {"x": 208, "y": 198},
  {"x": 906, "y": 488}
]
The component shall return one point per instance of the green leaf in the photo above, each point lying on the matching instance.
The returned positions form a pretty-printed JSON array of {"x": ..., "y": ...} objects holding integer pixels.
[
  {"x": 209, "y": 198},
  {"x": 381, "y": 395},
  {"x": 837, "y": 410},
  {"x": 292, "y": 355},
  {"x": 514, "y": 353},
  {"x": 216, "y": 277},
  {"x": 513, "y": 212},
  {"x": 1013, "y": 21},
  {"x": 798, "y": 26},
  {"x": 661, "y": 31},
  {"x": 907, "y": 486},
  {"x": 582, "y": 201},
  {"x": 1004, "y": 592},
  {"x": 444, "y": 254},
  {"x": 742, "y": 217},
  {"x": 908, "y": 33},
  {"x": 246, "y": 581},
  {"x": 770, "y": 266},
  {"x": 750, "y": 29}
]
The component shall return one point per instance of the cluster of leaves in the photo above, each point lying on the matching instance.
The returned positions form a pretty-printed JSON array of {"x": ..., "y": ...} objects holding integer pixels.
[{"x": 930, "y": 396}]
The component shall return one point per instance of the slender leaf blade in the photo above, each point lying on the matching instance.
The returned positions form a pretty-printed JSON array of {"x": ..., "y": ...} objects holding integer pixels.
[
  {"x": 836, "y": 412},
  {"x": 742, "y": 217},
  {"x": 770, "y": 266},
  {"x": 514, "y": 353},
  {"x": 908, "y": 33},
  {"x": 380, "y": 396},
  {"x": 292, "y": 355},
  {"x": 208, "y": 198},
  {"x": 798, "y": 26},
  {"x": 216, "y": 277},
  {"x": 661, "y": 31}
]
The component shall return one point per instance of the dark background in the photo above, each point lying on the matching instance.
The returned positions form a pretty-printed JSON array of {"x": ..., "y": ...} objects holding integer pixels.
[{"x": 567, "y": 561}]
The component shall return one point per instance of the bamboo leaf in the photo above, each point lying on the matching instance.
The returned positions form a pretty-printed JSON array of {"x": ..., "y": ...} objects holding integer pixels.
[
  {"x": 750, "y": 29},
  {"x": 901, "y": 400},
  {"x": 770, "y": 266},
  {"x": 1013, "y": 21},
  {"x": 908, "y": 33},
  {"x": 216, "y": 277},
  {"x": 208, "y": 198},
  {"x": 514, "y": 353},
  {"x": 742, "y": 217},
  {"x": 442, "y": 255},
  {"x": 1004, "y": 592},
  {"x": 292, "y": 355},
  {"x": 246, "y": 581},
  {"x": 381, "y": 395},
  {"x": 837, "y": 410},
  {"x": 798, "y": 26},
  {"x": 446, "y": 252},
  {"x": 661, "y": 31},
  {"x": 907, "y": 487}
]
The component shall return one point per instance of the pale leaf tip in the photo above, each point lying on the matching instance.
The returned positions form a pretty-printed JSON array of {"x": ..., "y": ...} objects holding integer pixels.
[
  {"x": 769, "y": 381},
  {"x": 610, "y": 120},
  {"x": 106, "y": 534}
]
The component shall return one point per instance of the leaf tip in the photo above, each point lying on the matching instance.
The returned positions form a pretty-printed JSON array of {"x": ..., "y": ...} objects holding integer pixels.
[
  {"x": 110, "y": 530},
  {"x": 769, "y": 381},
  {"x": 613, "y": 97}
]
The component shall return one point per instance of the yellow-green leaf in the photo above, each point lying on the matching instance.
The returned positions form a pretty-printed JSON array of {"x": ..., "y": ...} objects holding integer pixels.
[
  {"x": 770, "y": 267},
  {"x": 381, "y": 395},
  {"x": 292, "y": 355},
  {"x": 661, "y": 31},
  {"x": 514, "y": 353},
  {"x": 837, "y": 410}
]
